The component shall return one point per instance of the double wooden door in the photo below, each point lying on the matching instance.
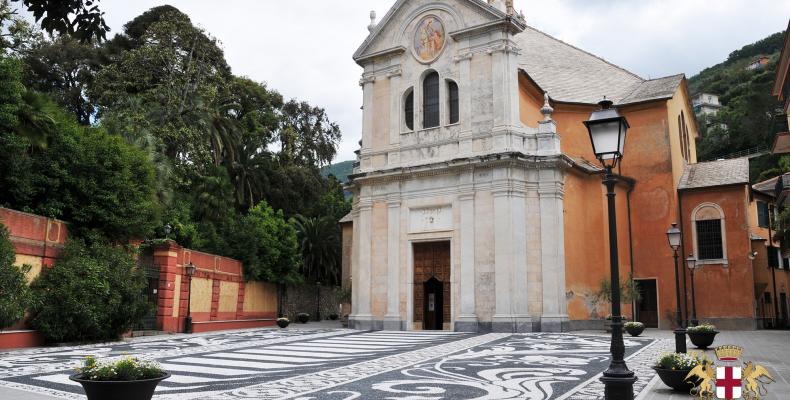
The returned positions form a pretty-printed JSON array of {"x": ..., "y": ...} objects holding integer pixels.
[{"x": 432, "y": 284}]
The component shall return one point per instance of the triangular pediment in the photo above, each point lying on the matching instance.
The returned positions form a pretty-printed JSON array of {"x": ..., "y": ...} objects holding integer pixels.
[{"x": 393, "y": 31}]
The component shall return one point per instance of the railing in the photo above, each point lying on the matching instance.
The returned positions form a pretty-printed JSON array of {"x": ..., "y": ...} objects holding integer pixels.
[{"x": 749, "y": 153}]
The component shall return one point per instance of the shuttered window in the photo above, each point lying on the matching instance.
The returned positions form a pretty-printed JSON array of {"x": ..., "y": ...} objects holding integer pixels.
[
  {"x": 452, "y": 94},
  {"x": 762, "y": 214},
  {"x": 709, "y": 240},
  {"x": 408, "y": 110},
  {"x": 430, "y": 101}
]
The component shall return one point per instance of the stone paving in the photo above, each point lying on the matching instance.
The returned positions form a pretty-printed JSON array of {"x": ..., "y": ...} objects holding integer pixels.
[{"x": 332, "y": 363}]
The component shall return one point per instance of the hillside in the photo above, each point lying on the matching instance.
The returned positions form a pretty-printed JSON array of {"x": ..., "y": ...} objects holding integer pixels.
[
  {"x": 748, "y": 118},
  {"x": 340, "y": 170}
]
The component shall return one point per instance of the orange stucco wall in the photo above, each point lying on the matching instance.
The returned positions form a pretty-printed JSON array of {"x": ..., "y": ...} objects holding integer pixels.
[
  {"x": 655, "y": 164},
  {"x": 735, "y": 280}
]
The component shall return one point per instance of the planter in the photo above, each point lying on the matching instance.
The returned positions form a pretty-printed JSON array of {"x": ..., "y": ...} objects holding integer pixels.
[
  {"x": 303, "y": 318},
  {"x": 607, "y": 324},
  {"x": 119, "y": 390},
  {"x": 333, "y": 317},
  {"x": 283, "y": 323},
  {"x": 702, "y": 340},
  {"x": 675, "y": 378},
  {"x": 635, "y": 331}
]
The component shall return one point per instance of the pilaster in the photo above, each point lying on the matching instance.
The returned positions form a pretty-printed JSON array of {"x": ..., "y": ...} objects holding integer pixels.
[
  {"x": 551, "y": 195},
  {"x": 467, "y": 320},
  {"x": 392, "y": 321}
]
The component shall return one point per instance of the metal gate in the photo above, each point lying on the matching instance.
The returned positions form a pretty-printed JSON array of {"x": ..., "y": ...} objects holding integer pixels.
[{"x": 151, "y": 291}]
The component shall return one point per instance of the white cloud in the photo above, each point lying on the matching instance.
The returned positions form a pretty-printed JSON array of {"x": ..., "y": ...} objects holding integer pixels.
[{"x": 303, "y": 48}]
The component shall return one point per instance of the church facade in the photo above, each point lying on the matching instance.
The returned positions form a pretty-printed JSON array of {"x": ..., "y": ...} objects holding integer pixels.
[{"x": 477, "y": 204}]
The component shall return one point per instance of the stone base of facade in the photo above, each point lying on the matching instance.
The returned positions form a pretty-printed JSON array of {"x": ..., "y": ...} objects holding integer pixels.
[
  {"x": 553, "y": 324},
  {"x": 511, "y": 323},
  {"x": 731, "y": 324},
  {"x": 365, "y": 323},
  {"x": 466, "y": 324},
  {"x": 393, "y": 324}
]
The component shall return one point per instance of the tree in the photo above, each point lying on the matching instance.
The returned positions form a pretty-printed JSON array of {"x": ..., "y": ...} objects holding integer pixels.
[
  {"x": 91, "y": 293},
  {"x": 14, "y": 293},
  {"x": 267, "y": 246},
  {"x": 80, "y": 18},
  {"x": 307, "y": 137},
  {"x": 319, "y": 244},
  {"x": 16, "y": 34}
]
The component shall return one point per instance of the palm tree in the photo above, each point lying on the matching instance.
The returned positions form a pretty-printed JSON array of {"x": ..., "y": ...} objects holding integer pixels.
[
  {"x": 319, "y": 243},
  {"x": 35, "y": 119}
]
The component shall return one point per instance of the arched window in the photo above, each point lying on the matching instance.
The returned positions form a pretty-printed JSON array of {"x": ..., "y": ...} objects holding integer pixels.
[
  {"x": 408, "y": 109},
  {"x": 430, "y": 100},
  {"x": 709, "y": 238},
  {"x": 452, "y": 97}
]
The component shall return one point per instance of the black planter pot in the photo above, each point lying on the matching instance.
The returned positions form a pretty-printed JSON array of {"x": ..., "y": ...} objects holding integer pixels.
[
  {"x": 675, "y": 379},
  {"x": 333, "y": 317},
  {"x": 702, "y": 340},
  {"x": 119, "y": 390},
  {"x": 283, "y": 324},
  {"x": 635, "y": 331},
  {"x": 303, "y": 318}
]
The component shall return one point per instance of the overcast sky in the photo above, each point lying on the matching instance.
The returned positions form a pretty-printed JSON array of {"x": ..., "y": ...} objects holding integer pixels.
[{"x": 303, "y": 48}]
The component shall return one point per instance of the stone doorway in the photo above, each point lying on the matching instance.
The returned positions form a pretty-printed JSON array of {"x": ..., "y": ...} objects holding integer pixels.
[
  {"x": 432, "y": 285},
  {"x": 647, "y": 306}
]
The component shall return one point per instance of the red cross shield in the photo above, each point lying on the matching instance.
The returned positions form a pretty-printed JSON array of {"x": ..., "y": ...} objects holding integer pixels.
[{"x": 728, "y": 383}]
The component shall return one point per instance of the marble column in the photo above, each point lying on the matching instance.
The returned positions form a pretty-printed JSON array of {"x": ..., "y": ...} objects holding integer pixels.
[
  {"x": 363, "y": 318},
  {"x": 520, "y": 298},
  {"x": 502, "y": 320},
  {"x": 467, "y": 320},
  {"x": 392, "y": 321},
  {"x": 552, "y": 250}
]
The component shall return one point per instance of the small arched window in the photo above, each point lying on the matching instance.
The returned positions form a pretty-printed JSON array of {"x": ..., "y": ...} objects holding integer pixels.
[
  {"x": 452, "y": 97},
  {"x": 430, "y": 100},
  {"x": 709, "y": 239},
  {"x": 408, "y": 109}
]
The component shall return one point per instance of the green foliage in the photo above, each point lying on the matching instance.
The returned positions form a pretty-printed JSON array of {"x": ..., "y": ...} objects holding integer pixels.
[
  {"x": 320, "y": 247},
  {"x": 14, "y": 293},
  {"x": 79, "y": 18},
  {"x": 748, "y": 117},
  {"x": 93, "y": 292},
  {"x": 702, "y": 328},
  {"x": 340, "y": 170},
  {"x": 124, "y": 369},
  {"x": 267, "y": 246},
  {"x": 11, "y": 91},
  {"x": 679, "y": 361},
  {"x": 629, "y": 291}
]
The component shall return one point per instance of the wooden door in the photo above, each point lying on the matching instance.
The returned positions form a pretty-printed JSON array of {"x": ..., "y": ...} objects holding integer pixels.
[
  {"x": 647, "y": 306},
  {"x": 432, "y": 276}
]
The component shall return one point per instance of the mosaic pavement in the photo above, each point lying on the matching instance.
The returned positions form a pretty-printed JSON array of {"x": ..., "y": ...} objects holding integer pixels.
[{"x": 344, "y": 364}]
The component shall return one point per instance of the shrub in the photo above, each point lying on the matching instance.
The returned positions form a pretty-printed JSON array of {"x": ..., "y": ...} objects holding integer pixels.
[
  {"x": 92, "y": 293},
  {"x": 303, "y": 317},
  {"x": 679, "y": 361},
  {"x": 704, "y": 328},
  {"x": 125, "y": 369},
  {"x": 14, "y": 293}
]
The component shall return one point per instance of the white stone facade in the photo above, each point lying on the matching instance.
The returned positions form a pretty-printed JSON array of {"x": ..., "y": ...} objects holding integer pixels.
[{"x": 488, "y": 184}]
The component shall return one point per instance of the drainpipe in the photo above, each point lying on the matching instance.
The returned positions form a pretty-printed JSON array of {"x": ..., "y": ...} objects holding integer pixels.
[
  {"x": 683, "y": 247},
  {"x": 773, "y": 272},
  {"x": 631, "y": 247}
]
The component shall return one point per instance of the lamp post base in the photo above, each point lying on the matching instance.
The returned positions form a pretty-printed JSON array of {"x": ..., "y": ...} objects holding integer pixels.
[
  {"x": 618, "y": 386},
  {"x": 188, "y": 325},
  {"x": 680, "y": 340}
]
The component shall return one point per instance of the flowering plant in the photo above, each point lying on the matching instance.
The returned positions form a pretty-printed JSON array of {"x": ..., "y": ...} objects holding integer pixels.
[
  {"x": 634, "y": 324},
  {"x": 679, "y": 361},
  {"x": 283, "y": 319},
  {"x": 704, "y": 328},
  {"x": 125, "y": 369}
]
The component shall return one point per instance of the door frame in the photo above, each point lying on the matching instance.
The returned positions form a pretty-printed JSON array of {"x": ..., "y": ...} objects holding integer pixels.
[
  {"x": 658, "y": 299},
  {"x": 410, "y": 276}
]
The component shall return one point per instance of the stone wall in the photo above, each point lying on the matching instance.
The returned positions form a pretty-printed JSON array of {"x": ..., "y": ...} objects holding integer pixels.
[{"x": 302, "y": 298}]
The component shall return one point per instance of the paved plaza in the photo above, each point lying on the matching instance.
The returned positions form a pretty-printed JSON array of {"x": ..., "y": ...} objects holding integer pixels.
[{"x": 332, "y": 363}]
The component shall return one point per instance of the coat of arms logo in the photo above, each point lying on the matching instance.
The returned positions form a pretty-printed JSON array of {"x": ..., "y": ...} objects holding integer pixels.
[{"x": 732, "y": 380}]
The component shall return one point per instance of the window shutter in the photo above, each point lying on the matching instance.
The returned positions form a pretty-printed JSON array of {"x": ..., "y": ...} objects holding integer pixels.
[
  {"x": 430, "y": 101},
  {"x": 452, "y": 94},
  {"x": 773, "y": 257},
  {"x": 762, "y": 214}
]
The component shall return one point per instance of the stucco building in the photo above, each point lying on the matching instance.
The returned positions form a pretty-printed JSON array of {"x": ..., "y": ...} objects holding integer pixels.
[{"x": 477, "y": 201}]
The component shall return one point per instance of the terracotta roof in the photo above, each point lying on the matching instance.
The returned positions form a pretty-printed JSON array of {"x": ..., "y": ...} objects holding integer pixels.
[
  {"x": 715, "y": 173},
  {"x": 572, "y": 75},
  {"x": 347, "y": 218}
]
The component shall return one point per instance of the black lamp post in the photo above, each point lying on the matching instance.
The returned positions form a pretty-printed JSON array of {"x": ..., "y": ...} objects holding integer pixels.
[
  {"x": 691, "y": 262},
  {"x": 674, "y": 237},
  {"x": 318, "y": 301},
  {"x": 190, "y": 269},
  {"x": 607, "y": 133}
]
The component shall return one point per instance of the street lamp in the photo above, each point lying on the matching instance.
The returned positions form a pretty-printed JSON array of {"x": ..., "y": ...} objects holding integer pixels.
[
  {"x": 674, "y": 236},
  {"x": 691, "y": 262},
  {"x": 607, "y": 134},
  {"x": 190, "y": 269}
]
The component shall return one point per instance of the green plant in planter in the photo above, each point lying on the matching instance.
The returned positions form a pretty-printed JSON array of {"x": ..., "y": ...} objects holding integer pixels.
[
  {"x": 629, "y": 292},
  {"x": 679, "y": 361},
  {"x": 703, "y": 328},
  {"x": 634, "y": 325},
  {"x": 303, "y": 317},
  {"x": 124, "y": 369},
  {"x": 283, "y": 322}
]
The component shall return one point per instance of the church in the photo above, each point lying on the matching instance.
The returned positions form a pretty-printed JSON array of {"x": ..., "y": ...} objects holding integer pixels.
[{"x": 478, "y": 204}]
